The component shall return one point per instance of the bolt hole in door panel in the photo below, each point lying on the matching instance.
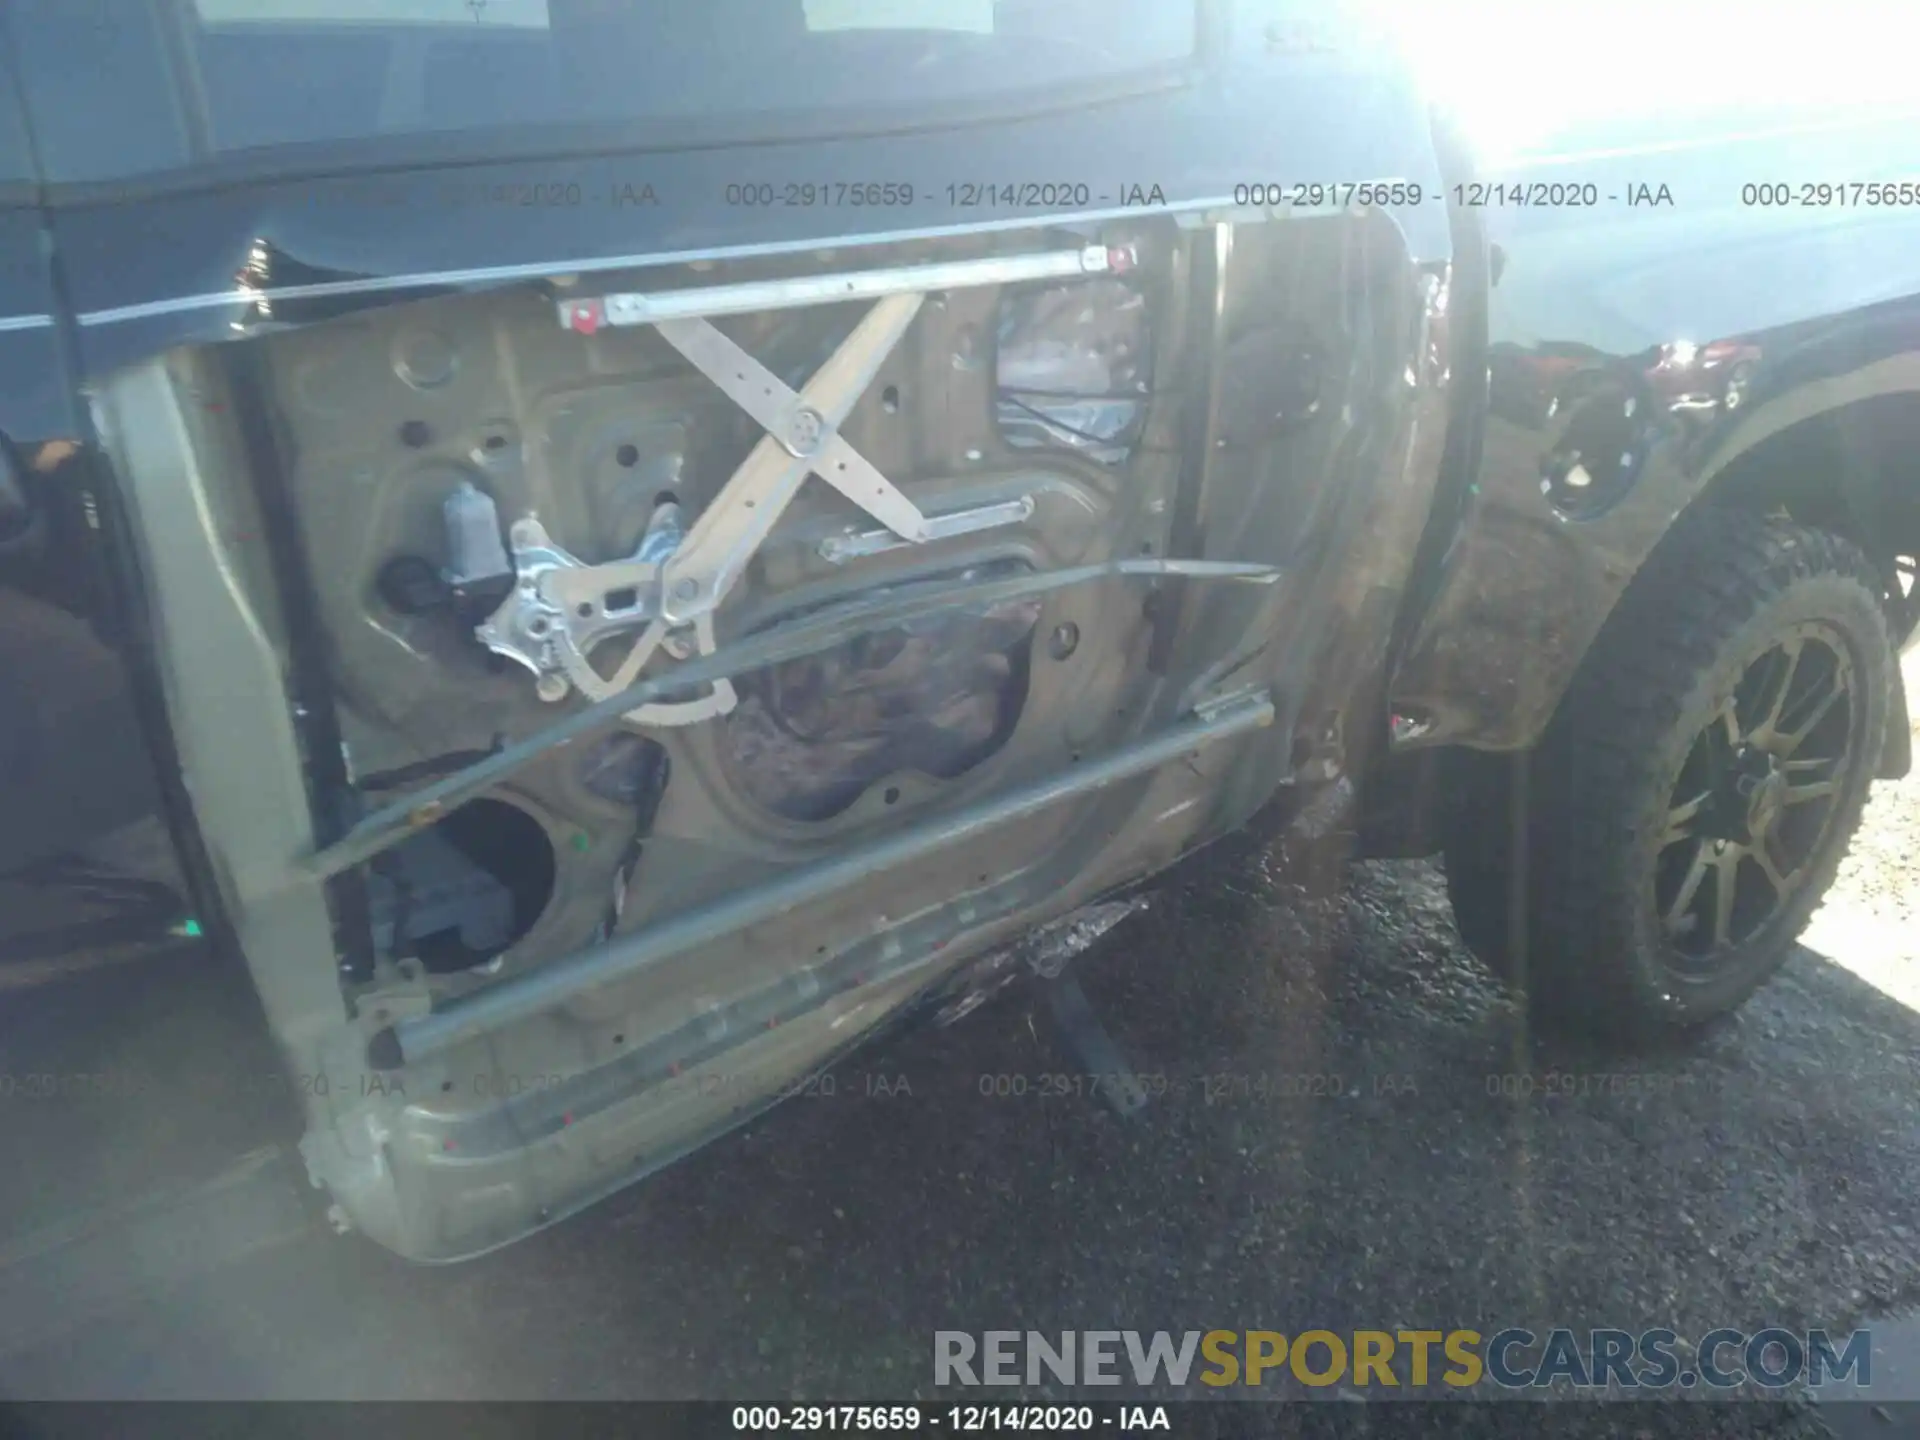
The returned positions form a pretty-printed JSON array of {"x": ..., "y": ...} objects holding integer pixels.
[{"x": 1252, "y": 385}]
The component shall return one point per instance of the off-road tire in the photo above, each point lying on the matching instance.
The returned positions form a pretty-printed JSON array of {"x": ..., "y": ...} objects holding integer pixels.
[{"x": 1573, "y": 928}]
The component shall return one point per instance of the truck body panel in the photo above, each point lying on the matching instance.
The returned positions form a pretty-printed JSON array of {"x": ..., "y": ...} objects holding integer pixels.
[
  {"x": 381, "y": 446},
  {"x": 1642, "y": 350}
]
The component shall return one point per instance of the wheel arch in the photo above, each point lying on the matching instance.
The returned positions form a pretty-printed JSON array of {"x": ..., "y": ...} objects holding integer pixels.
[
  {"x": 1844, "y": 458},
  {"x": 1839, "y": 454}
]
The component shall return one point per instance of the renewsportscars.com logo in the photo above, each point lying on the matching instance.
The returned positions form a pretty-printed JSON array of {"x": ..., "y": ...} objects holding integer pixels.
[{"x": 1383, "y": 1360}]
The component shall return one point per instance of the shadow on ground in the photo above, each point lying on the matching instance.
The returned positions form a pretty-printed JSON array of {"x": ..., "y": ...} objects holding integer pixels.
[{"x": 1353, "y": 1129}]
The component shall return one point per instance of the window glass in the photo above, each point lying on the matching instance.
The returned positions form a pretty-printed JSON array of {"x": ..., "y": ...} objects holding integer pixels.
[
  {"x": 16, "y": 161},
  {"x": 262, "y": 73},
  {"x": 97, "y": 87}
]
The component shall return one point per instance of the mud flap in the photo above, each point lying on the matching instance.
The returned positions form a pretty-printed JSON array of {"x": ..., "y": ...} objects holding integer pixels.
[{"x": 1897, "y": 759}]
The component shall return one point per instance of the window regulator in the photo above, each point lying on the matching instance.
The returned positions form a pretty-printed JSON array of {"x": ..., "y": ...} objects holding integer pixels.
[{"x": 561, "y": 609}]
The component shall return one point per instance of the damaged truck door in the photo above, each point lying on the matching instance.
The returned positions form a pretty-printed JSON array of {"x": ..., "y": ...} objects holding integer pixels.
[{"x": 621, "y": 653}]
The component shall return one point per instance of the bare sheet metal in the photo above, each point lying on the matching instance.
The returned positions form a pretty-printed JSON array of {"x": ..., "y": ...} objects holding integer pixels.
[
  {"x": 388, "y": 826},
  {"x": 484, "y": 1011}
]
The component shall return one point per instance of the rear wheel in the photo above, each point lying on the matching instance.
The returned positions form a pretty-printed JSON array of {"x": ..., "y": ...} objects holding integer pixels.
[{"x": 1697, "y": 788}]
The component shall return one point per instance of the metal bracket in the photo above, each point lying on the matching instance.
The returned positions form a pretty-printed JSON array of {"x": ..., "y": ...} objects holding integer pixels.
[
  {"x": 838, "y": 549},
  {"x": 562, "y": 608},
  {"x": 587, "y": 315}
]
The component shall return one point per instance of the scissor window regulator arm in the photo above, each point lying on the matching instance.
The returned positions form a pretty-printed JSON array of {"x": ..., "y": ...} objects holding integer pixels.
[{"x": 561, "y": 609}]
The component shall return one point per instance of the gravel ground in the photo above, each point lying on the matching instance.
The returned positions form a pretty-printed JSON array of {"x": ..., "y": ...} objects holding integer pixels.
[{"x": 1761, "y": 1174}]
